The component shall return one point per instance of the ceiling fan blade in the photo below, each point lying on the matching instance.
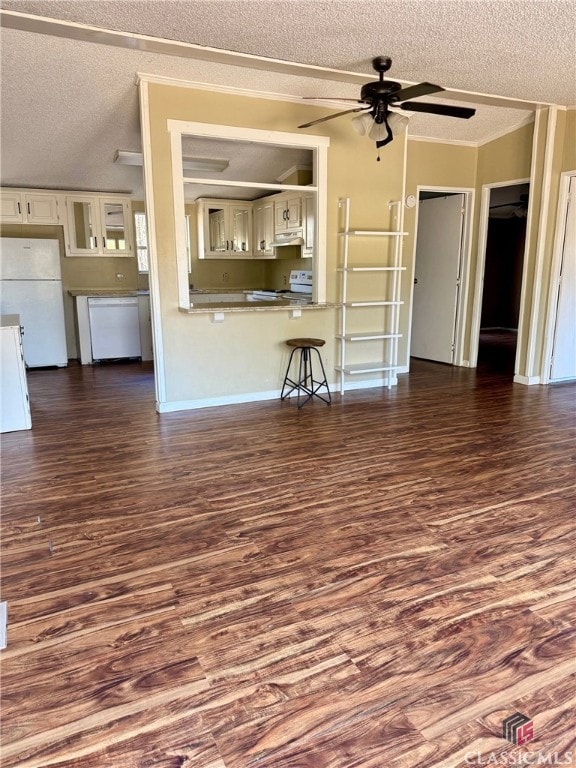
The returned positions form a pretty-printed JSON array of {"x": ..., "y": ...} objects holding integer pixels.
[
  {"x": 438, "y": 109},
  {"x": 414, "y": 91},
  {"x": 331, "y": 117}
]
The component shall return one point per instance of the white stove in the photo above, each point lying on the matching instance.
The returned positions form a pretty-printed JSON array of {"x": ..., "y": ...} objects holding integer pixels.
[
  {"x": 300, "y": 288},
  {"x": 301, "y": 281}
]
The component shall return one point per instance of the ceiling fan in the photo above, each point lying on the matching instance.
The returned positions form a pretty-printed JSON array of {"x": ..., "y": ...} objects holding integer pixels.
[{"x": 377, "y": 120}]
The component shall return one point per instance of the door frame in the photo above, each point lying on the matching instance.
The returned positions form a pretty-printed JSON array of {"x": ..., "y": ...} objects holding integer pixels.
[
  {"x": 466, "y": 254},
  {"x": 557, "y": 254},
  {"x": 481, "y": 266}
]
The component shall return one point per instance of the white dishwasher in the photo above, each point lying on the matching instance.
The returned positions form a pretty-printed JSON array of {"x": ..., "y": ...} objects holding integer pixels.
[{"x": 114, "y": 327}]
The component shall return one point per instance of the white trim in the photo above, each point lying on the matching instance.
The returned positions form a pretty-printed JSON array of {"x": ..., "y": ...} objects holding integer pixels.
[
  {"x": 153, "y": 281},
  {"x": 4, "y": 624},
  {"x": 481, "y": 265},
  {"x": 255, "y": 397},
  {"x": 527, "y": 380},
  {"x": 530, "y": 234},
  {"x": 481, "y": 142},
  {"x": 433, "y": 140},
  {"x": 554, "y": 285},
  {"x": 179, "y": 220},
  {"x": 464, "y": 292},
  {"x": 252, "y": 184},
  {"x": 505, "y": 131},
  {"x": 319, "y": 146},
  {"x": 240, "y": 133},
  {"x": 213, "y": 402},
  {"x": 546, "y": 180}
]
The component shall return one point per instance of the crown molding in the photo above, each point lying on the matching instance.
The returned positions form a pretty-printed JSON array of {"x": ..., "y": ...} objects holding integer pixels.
[
  {"x": 434, "y": 140},
  {"x": 83, "y": 32},
  {"x": 505, "y": 131}
]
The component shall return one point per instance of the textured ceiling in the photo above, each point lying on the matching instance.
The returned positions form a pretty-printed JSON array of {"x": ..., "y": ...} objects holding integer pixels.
[{"x": 68, "y": 104}]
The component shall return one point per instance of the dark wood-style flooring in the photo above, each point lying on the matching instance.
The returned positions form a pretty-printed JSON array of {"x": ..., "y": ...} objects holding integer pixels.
[{"x": 375, "y": 584}]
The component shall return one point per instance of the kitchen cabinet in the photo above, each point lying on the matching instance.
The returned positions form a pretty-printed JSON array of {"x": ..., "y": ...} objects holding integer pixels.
[
  {"x": 98, "y": 226},
  {"x": 287, "y": 212},
  {"x": 224, "y": 229},
  {"x": 264, "y": 229},
  {"x": 14, "y": 402},
  {"x": 20, "y": 207}
]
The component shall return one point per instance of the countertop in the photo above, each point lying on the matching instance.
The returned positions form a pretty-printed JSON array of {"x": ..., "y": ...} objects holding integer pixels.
[
  {"x": 9, "y": 321},
  {"x": 107, "y": 292},
  {"x": 253, "y": 306}
]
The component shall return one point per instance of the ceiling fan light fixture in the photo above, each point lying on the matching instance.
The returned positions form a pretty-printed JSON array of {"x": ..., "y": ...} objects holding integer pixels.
[
  {"x": 378, "y": 131},
  {"x": 362, "y": 123},
  {"x": 398, "y": 123}
]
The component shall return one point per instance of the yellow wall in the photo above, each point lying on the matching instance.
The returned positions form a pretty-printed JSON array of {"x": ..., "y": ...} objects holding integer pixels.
[
  {"x": 246, "y": 353},
  {"x": 431, "y": 164}
]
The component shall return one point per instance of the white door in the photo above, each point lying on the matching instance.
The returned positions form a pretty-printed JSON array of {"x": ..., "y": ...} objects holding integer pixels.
[
  {"x": 564, "y": 349},
  {"x": 436, "y": 277}
]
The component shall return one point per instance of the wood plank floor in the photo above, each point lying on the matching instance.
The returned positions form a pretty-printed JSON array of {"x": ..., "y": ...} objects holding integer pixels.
[{"x": 375, "y": 584}]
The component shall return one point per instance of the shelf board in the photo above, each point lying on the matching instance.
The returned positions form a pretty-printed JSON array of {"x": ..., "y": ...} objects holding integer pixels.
[
  {"x": 366, "y": 367},
  {"x": 368, "y": 336},
  {"x": 375, "y": 303},
  {"x": 368, "y": 268},
  {"x": 372, "y": 233}
]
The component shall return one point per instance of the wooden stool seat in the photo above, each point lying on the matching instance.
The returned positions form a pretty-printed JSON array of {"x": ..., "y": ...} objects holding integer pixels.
[
  {"x": 305, "y": 342},
  {"x": 305, "y": 385}
]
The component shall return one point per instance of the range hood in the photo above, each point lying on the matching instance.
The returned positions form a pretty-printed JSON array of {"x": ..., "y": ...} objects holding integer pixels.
[{"x": 288, "y": 238}]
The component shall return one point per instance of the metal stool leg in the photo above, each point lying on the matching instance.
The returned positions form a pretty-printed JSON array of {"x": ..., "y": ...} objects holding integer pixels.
[
  {"x": 287, "y": 380},
  {"x": 323, "y": 383}
]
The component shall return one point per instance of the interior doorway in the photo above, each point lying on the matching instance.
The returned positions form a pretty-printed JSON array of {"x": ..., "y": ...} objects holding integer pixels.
[
  {"x": 501, "y": 280},
  {"x": 441, "y": 257}
]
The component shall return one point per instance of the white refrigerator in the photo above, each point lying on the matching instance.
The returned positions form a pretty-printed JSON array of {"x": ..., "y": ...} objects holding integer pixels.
[{"x": 31, "y": 286}]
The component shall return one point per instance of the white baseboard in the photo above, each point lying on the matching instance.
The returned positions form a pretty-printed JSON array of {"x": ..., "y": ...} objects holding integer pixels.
[
  {"x": 528, "y": 380},
  {"x": 213, "y": 402},
  {"x": 255, "y": 397},
  {"x": 3, "y": 625}
]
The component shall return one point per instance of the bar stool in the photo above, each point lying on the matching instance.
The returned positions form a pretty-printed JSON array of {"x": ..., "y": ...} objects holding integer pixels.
[{"x": 306, "y": 384}]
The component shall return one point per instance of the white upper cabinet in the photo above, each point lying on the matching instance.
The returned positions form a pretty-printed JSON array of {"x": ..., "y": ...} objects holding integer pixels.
[
  {"x": 287, "y": 212},
  {"x": 20, "y": 207},
  {"x": 98, "y": 226},
  {"x": 263, "y": 229},
  {"x": 224, "y": 229}
]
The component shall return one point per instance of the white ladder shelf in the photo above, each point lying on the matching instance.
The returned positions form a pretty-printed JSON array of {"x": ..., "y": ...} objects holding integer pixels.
[{"x": 389, "y": 332}]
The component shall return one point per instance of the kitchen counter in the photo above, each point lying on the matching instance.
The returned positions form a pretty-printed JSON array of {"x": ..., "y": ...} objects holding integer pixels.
[
  {"x": 108, "y": 292},
  {"x": 253, "y": 306}
]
